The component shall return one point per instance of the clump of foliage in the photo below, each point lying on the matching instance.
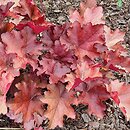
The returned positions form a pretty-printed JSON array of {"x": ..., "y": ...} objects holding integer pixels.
[{"x": 44, "y": 68}]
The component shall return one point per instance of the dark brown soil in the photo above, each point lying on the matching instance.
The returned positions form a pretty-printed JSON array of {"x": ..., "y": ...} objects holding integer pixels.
[
  {"x": 7, "y": 122},
  {"x": 115, "y": 17}
]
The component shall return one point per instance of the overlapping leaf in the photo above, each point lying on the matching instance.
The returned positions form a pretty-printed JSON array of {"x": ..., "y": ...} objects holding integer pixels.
[
  {"x": 59, "y": 104},
  {"x": 24, "y": 45},
  {"x": 26, "y": 101},
  {"x": 92, "y": 92}
]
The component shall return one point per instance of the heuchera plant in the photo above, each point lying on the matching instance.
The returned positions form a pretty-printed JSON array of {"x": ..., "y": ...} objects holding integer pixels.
[{"x": 44, "y": 68}]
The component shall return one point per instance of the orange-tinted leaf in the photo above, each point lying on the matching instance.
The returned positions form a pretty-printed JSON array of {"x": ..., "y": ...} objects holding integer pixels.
[
  {"x": 84, "y": 71},
  {"x": 84, "y": 37},
  {"x": 94, "y": 16},
  {"x": 58, "y": 101},
  {"x": 113, "y": 37},
  {"x": 89, "y": 12},
  {"x": 28, "y": 8},
  {"x": 20, "y": 43},
  {"x": 5, "y": 82},
  {"x": 93, "y": 93},
  {"x": 3, "y": 106},
  {"x": 123, "y": 92},
  {"x": 26, "y": 101}
]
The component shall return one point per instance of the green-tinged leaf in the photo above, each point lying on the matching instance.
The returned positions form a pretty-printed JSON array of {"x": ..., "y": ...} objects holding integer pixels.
[{"x": 120, "y": 3}]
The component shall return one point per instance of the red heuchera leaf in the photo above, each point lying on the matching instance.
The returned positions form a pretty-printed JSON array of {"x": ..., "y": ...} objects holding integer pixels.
[
  {"x": 75, "y": 16},
  {"x": 76, "y": 83},
  {"x": 30, "y": 12},
  {"x": 35, "y": 123},
  {"x": 93, "y": 15},
  {"x": 3, "y": 107},
  {"x": 4, "y": 2},
  {"x": 17, "y": 41},
  {"x": 7, "y": 63},
  {"x": 4, "y": 9},
  {"x": 7, "y": 12},
  {"x": 53, "y": 68},
  {"x": 61, "y": 53},
  {"x": 52, "y": 35},
  {"x": 72, "y": 81},
  {"x": 4, "y": 12},
  {"x": 84, "y": 42},
  {"x": 26, "y": 100},
  {"x": 27, "y": 8},
  {"x": 123, "y": 92},
  {"x": 5, "y": 82},
  {"x": 84, "y": 37},
  {"x": 58, "y": 71},
  {"x": 116, "y": 59},
  {"x": 53, "y": 47},
  {"x": 32, "y": 17},
  {"x": 89, "y": 12},
  {"x": 36, "y": 28},
  {"x": 113, "y": 37},
  {"x": 46, "y": 66},
  {"x": 83, "y": 6},
  {"x": 58, "y": 100},
  {"x": 93, "y": 98},
  {"x": 93, "y": 92},
  {"x": 23, "y": 44},
  {"x": 84, "y": 71},
  {"x": 3, "y": 56}
]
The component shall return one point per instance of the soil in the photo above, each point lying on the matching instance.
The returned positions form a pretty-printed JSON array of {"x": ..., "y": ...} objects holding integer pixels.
[
  {"x": 7, "y": 122},
  {"x": 116, "y": 17}
]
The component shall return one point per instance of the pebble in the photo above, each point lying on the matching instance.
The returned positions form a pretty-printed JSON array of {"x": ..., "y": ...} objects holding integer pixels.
[{"x": 86, "y": 118}]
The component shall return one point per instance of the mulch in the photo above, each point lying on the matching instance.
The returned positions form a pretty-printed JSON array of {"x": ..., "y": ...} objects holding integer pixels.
[{"x": 116, "y": 17}]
